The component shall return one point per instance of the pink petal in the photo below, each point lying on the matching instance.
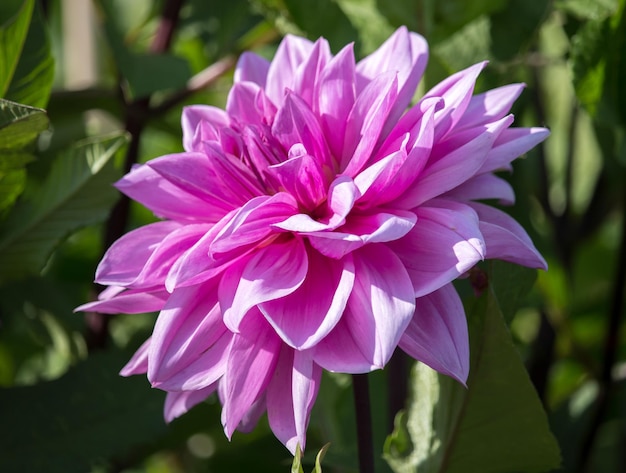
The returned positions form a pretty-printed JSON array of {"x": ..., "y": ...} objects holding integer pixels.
[
  {"x": 296, "y": 124},
  {"x": 124, "y": 260},
  {"x": 484, "y": 186},
  {"x": 289, "y": 410},
  {"x": 309, "y": 313},
  {"x": 511, "y": 144},
  {"x": 301, "y": 176},
  {"x": 506, "y": 239},
  {"x": 201, "y": 123},
  {"x": 189, "y": 324},
  {"x": 307, "y": 79},
  {"x": 178, "y": 403},
  {"x": 271, "y": 272},
  {"x": 360, "y": 230},
  {"x": 221, "y": 182},
  {"x": 252, "y": 223},
  {"x": 437, "y": 334},
  {"x": 251, "y": 68},
  {"x": 292, "y": 51},
  {"x": 251, "y": 418},
  {"x": 388, "y": 178},
  {"x": 251, "y": 363},
  {"x": 456, "y": 91},
  {"x": 379, "y": 309},
  {"x": 173, "y": 246},
  {"x": 336, "y": 98},
  {"x": 444, "y": 243},
  {"x": 195, "y": 265},
  {"x": 453, "y": 169},
  {"x": 341, "y": 197},
  {"x": 366, "y": 121},
  {"x": 131, "y": 301},
  {"x": 490, "y": 106},
  {"x": 165, "y": 199},
  {"x": 405, "y": 53},
  {"x": 138, "y": 363},
  {"x": 248, "y": 104}
]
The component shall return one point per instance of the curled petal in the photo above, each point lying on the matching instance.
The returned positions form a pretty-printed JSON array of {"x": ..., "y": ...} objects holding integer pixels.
[
  {"x": 506, "y": 239},
  {"x": 272, "y": 272},
  {"x": 309, "y": 313},
  {"x": 437, "y": 334},
  {"x": 189, "y": 324},
  {"x": 178, "y": 403},
  {"x": 484, "y": 186},
  {"x": 138, "y": 363},
  {"x": 202, "y": 123},
  {"x": 511, "y": 144},
  {"x": 126, "y": 258},
  {"x": 291, "y": 52},
  {"x": 490, "y": 106},
  {"x": 251, "y": 68},
  {"x": 379, "y": 309},
  {"x": 445, "y": 242},
  {"x": 130, "y": 301},
  {"x": 251, "y": 362}
]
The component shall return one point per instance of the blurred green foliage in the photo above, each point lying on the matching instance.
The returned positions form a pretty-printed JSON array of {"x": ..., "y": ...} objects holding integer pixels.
[{"x": 62, "y": 406}]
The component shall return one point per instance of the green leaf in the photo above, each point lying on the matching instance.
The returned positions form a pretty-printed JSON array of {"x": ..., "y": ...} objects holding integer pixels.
[
  {"x": 32, "y": 81},
  {"x": 511, "y": 283},
  {"x": 12, "y": 36},
  {"x": 84, "y": 418},
  {"x": 319, "y": 457},
  {"x": 19, "y": 125},
  {"x": 496, "y": 425},
  {"x": 77, "y": 192},
  {"x": 296, "y": 466}
]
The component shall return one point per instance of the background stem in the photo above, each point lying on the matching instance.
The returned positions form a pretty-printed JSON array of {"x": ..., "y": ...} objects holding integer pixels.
[{"x": 364, "y": 431}]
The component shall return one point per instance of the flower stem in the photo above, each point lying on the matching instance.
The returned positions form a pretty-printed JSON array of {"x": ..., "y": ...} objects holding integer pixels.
[{"x": 364, "y": 429}]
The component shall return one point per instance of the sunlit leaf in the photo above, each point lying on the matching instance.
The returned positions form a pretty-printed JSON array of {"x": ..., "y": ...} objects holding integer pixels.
[
  {"x": 32, "y": 81},
  {"x": 13, "y": 30},
  {"x": 77, "y": 192},
  {"x": 495, "y": 425}
]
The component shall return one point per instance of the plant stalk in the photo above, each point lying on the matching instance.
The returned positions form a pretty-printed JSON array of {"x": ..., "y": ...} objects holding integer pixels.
[{"x": 364, "y": 431}]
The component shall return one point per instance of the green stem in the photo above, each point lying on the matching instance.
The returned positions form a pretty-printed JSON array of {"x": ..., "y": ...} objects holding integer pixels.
[{"x": 364, "y": 431}]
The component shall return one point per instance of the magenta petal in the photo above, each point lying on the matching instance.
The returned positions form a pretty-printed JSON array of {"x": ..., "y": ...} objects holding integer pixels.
[
  {"x": 490, "y": 106},
  {"x": 271, "y": 272},
  {"x": 131, "y": 301},
  {"x": 295, "y": 123},
  {"x": 405, "y": 53},
  {"x": 173, "y": 246},
  {"x": 201, "y": 122},
  {"x": 309, "y": 313},
  {"x": 302, "y": 177},
  {"x": 360, "y": 230},
  {"x": 251, "y": 68},
  {"x": 511, "y": 144},
  {"x": 379, "y": 309},
  {"x": 444, "y": 243},
  {"x": 506, "y": 239},
  {"x": 248, "y": 104},
  {"x": 292, "y": 51},
  {"x": 138, "y": 363},
  {"x": 336, "y": 97},
  {"x": 484, "y": 186},
  {"x": 178, "y": 403},
  {"x": 165, "y": 199},
  {"x": 290, "y": 397},
  {"x": 251, "y": 363},
  {"x": 279, "y": 399},
  {"x": 307, "y": 82},
  {"x": 454, "y": 168},
  {"x": 388, "y": 178},
  {"x": 251, "y": 418},
  {"x": 437, "y": 334},
  {"x": 366, "y": 121},
  {"x": 252, "y": 223},
  {"x": 125, "y": 259},
  {"x": 456, "y": 91},
  {"x": 187, "y": 326}
]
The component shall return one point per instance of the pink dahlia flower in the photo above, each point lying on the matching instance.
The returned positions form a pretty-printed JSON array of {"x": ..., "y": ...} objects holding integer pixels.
[{"x": 316, "y": 223}]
